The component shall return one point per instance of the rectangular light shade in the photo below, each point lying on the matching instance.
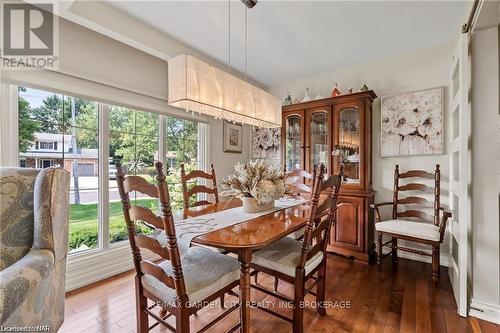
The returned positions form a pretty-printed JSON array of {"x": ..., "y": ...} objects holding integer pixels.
[{"x": 197, "y": 86}]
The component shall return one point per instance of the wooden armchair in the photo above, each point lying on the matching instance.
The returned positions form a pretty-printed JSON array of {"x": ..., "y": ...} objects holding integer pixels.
[
  {"x": 177, "y": 286},
  {"x": 188, "y": 193},
  {"x": 399, "y": 227},
  {"x": 297, "y": 261}
]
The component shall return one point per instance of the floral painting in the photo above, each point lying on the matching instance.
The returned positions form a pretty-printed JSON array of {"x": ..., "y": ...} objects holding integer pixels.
[
  {"x": 412, "y": 123},
  {"x": 266, "y": 142}
]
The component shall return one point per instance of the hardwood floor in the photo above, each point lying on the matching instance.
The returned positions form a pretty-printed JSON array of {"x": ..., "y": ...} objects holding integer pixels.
[{"x": 402, "y": 300}]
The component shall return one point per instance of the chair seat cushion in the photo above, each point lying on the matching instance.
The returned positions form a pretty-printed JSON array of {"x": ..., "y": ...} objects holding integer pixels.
[
  {"x": 420, "y": 230},
  {"x": 205, "y": 272},
  {"x": 284, "y": 256}
]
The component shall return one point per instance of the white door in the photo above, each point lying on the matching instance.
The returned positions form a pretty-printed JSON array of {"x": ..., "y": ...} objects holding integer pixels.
[{"x": 460, "y": 171}]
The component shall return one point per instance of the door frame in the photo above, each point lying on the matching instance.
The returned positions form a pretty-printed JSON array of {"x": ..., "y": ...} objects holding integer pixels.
[{"x": 460, "y": 172}]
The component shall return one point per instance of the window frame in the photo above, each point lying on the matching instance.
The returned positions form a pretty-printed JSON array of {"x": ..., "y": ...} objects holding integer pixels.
[
  {"x": 48, "y": 143},
  {"x": 104, "y": 244}
]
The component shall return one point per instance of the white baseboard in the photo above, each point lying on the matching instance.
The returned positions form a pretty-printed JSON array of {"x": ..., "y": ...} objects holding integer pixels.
[
  {"x": 444, "y": 257},
  {"x": 86, "y": 268},
  {"x": 485, "y": 311}
]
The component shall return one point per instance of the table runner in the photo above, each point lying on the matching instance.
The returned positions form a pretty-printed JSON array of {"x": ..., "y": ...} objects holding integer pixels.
[{"x": 189, "y": 228}]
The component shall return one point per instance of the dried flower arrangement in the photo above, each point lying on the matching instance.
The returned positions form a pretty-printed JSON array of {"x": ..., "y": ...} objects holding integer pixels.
[{"x": 259, "y": 180}]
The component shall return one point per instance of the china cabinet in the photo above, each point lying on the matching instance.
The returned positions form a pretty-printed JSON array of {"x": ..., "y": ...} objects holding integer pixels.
[{"x": 334, "y": 131}]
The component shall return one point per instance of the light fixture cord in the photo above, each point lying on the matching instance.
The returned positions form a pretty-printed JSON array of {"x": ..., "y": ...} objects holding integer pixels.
[
  {"x": 246, "y": 43},
  {"x": 229, "y": 36}
]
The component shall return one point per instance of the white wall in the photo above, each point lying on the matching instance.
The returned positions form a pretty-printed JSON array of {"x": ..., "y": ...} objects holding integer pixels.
[
  {"x": 485, "y": 156},
  {"x": 224, "y": 162},
  {"x": 88, "y": 55},
  {"x": 398, "y": 74}
]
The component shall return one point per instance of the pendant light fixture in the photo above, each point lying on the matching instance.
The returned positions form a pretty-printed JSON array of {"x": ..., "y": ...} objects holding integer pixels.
[{"x": 197, "y": 86}]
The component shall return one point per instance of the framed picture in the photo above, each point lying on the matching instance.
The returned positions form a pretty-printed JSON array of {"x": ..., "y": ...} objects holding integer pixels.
[
  {"x": 233, "y": 137},
  {"x": 412, "y": 123},
  {"x": 266, "y": 142}
]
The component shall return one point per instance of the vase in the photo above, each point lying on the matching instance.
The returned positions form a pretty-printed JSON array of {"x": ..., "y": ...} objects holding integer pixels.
[
  {"x": 251, "y": 205},
  {"x": 307, "y": 96}
]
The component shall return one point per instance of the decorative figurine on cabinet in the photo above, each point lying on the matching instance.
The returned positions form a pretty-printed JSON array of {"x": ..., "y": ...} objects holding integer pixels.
[
  {"x": 364, "y": 88},
  {"x": 350, "y": 90},
  {"x": 307, "y": 96},
  {"x": 336, "y": 92},
  {"x": 288, "y": 99},
  {"x": 319, "y": 95}
]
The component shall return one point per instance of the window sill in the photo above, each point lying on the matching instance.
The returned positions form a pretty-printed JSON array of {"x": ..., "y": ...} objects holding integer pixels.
[
  {"x": 86, "y": 254},
  {"x": 97, "y": 264}
]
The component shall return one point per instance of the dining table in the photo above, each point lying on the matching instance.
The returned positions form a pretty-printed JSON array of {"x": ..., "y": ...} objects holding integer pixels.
[{"x": 244, "y": 237}]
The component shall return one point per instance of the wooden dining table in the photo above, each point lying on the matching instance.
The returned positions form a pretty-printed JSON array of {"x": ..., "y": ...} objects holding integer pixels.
[{"x": 245, "y": 237}]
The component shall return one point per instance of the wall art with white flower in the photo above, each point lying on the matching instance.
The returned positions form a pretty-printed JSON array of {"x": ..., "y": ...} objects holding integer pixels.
[
  {"x": 266, "y": 142},
  {"x": 412, "y": 123}
]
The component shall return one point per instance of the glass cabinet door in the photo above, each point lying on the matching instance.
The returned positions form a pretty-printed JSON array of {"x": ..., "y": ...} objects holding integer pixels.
[
  {"x": 347, "y": 149},
  {"x": 294, "y": 145},
  {"x": 317, "y": 148}
]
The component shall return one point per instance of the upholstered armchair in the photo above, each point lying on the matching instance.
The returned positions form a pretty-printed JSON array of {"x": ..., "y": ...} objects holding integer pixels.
[{"x": 34, "y": 216}]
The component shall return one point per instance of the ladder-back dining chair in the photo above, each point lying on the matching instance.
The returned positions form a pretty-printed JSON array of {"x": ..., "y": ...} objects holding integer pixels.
[
  {"x": 177, "y": 286},
  {"x": 187, "y": 193},
  {"x": 296, "y": 261},
  {"x": 404, "y": 224},
  {"x": 301, "y": 184},
  {"x": 300, "y": 181}
]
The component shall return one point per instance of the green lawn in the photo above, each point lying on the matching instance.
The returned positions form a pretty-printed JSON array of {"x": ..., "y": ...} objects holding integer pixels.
[
  {"x": 83, "y": 222},
  {"x": 83, "y": 218}
]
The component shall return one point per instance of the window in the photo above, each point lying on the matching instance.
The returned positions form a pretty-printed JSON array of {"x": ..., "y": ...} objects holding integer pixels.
[
  {"x": 70, "y": 132},
  {"x": 46, "y": 145},
  {"x": 181, "y": 142},
  {"x": 43, "y": 163},
  {"x": 133, "y": 143},
  {"x": 47, "y": 118}
]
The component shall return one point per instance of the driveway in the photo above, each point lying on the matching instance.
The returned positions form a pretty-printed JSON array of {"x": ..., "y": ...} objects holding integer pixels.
[{"x": 89, "y": 190}]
